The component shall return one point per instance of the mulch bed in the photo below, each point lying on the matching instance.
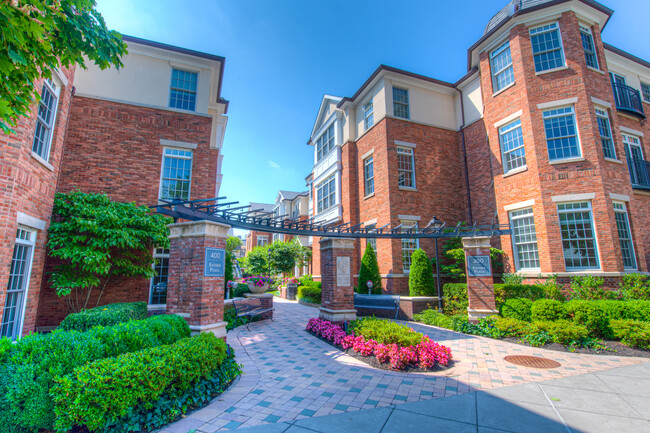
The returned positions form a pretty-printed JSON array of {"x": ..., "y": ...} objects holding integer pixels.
[
  {"x": 615, "y": 348},
  {"x": 372, "y": 360}
]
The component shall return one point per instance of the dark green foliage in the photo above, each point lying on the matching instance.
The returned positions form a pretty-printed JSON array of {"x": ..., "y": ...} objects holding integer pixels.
[
  {"x": 633, "y": 333},
  {"x": 519, "y": 309},
  {"x": 434, "y": 318},
  {"x": 421, "y": 280},
  {"x": 233, "y": 243},
  {"x": 639, "y": 310},
  {"x": 230, "y": 316},
  {"x": 591, "y": 315},
  {"x": 635, "y": 287},
  {"x": 238, "y": 292},
  {"x": 99, "y": 393},
  {"x": 537, "y": 338},
  {"x": 503, "y": 292},
  {"x": 485, "y": 327},
  {"x": 564, "y": 332},
  {"x": 590, "y": 288},
  {"x": 369, "y": 271},
  {"x": 309, "y": 294},
  {"x": 552, "y": 290},
  {"x": 229, "y": 274},
  {"x": 305, "y": 279},
  {"x": 455, "y": 254},
  {"x": 106, "y": 315},
  {"x": 547, "y": 310},
  {"x": 455, "y": 298},
  {"x": 385, "y": 331},
  {"x": 511, "y": 327}
]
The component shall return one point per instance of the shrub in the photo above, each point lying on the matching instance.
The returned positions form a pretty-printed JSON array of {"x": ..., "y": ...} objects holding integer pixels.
[
  {"x": 537, "y": 339},
  {"x": 485, "y": 327},
  {"x": 547, "y": 310},
  {"x": 503, "y": 292},
  {"x": 455, "y": 298},
  {"x": 589, "y": 288},
  {"x": 35, "y": 361},
  {"x": 615, "y": 309},
  {"x": 106, "y": 315},
  {"x": 564, "y": 332},
  {"x": 421, "y": 280},
  {"x": 591, "y": 315},
  {"x": 512, "y": 279},
  {"x": 97, "y": 394},
  {"x": 369, "y": 271},
  {"x": 634, "y": 333},
  {"x": 229, "y": 274},
  {"x": 434, "y": 318},
  {"x": 238, "y": 292},
  {"x": 635, "y": 287},
  {"x": 639, "y": 310},
  {"x": 511, "y": 327},
  {"x": 309, "y": 294},
  {"x": 519, "y": 309},
  {"x": 551, "y": 289},
  {"x": 385, "y": 331},
  {"x": 305, "y": 279}
]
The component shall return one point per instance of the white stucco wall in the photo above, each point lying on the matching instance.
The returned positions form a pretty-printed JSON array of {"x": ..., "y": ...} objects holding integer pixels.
[{"x": 426, "y": 105}]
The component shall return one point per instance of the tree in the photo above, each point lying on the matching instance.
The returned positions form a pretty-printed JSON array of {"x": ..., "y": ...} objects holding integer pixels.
[
  {"x": 233, "y": 243},
  {"x": 454, "y": 252},
  {"x": 96, "y": 239},
  {"x": 282, "y": 257},
  {"x": 38, "y": 36},
  {"x": 369, "y": 271},
  {"x": 421, "y": 281},
  {"x": 256, "y": 261}
]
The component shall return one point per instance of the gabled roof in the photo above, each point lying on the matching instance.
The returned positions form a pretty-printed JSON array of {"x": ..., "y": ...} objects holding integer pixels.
[
  {"x": 320, "y": 117},
  {"x": 290, "y": 195},
  {"x": 266, "y": 207}
]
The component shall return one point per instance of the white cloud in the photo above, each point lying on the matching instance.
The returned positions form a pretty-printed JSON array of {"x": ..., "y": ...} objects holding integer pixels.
[{"x": 274, "y": 164}]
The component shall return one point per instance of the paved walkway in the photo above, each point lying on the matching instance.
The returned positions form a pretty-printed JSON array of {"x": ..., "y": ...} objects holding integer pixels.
[{"x": 291, "y": 377}]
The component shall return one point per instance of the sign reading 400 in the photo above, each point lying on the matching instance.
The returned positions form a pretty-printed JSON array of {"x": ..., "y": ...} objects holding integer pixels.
[{"x": 215, "y": 260}]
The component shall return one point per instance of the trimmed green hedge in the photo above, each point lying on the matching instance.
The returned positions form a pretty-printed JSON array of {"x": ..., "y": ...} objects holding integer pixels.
[
  {"x": 385, "y": 331},
  {"x": 30, "y": 367},
  {"x": 309, "y": 294},
  {"x": 634, "y": 333},
  {"x": 519, "y": 309},
  {"x": 563, "y": 331},
  {"x": 547, "y": 310},
  {"x": 101, "y": 393},
  {"x": 106, "y": 315}
]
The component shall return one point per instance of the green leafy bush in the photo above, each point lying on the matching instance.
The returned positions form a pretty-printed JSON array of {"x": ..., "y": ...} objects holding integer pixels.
[
  {"x": 519, "y": 309},
  {"x": 547, "y": 310},
  {"x": 369, "y": 271},
  {"x": 634, "y": 333},
  {"x": 635, "y": 287},
  {"x": 230, "y": 316},
  {"x": 309, "y": 294},
  {"x": 229, "y": 273},
  {"x": 590, "y": 288},
  {"x": 455, "y": 298},
  {"x": 591, "y": 315},
  {"x": 551, "y": 288},
  {"x": 30, "y": 368},
  {"x": 485, "y": 327},
  {"x": 564, "y": 332},
  {"x": 639, "y": 310},
  {"x": 106, "y": 315},
  {"x": 511, "y": 327},
  {"x": 503, "y": 292},
  {"x": 305, "y": 279},
  {"x": 512, "y": 279},
  {"x": 434, "y": 318},
  {"x": 537, "y": 339},
  {"x": 385, "y": 331},
  {"x": 421, "y": 280},
  {"x": 97, "y": 394},
  {"x": 238, "y": 292}
]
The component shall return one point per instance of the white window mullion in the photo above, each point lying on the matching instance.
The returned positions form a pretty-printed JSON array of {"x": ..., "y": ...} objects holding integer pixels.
[
  {"x": 524, "y": 239},
  {"x": 578, "y": 236},
  {"x": 625, "y": 236}
]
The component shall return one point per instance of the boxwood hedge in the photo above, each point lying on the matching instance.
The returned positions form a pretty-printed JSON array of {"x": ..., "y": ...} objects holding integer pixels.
[{"x": 106, "y": 315}]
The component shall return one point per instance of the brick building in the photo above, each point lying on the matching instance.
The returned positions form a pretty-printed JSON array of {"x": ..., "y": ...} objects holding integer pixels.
[
  {"x": 545, "y": 132},
  {"x": 153, "y": 129}
]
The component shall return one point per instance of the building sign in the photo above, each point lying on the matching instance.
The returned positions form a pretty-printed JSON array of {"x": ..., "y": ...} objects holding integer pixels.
[
  {"x": 479, "y": 266},
  {"x": 215, "y": 262},
  {"x": 343, "y": 272}
]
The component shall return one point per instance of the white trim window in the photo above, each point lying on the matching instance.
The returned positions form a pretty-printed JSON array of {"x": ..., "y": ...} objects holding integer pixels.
[
  {"x": 325, "y": 143},
  {"x": 645, "y": 91},
  {"x": 326, "y": 194},
  {"x": 182, "y": 91},
  {"x": 176, "y": 174},
  {"x": 262, "y": 240},
  {"x": 19, "y": 275},
  {"x": 45, "y": 119},
  {"x": 368, "y": 116},
  {"x": 547, "y": 47},
  {"x": 408, "y": 245},
  {"x": 589, "y": 47},
  {"x": 158, "y": 286},
  {"x": 624, "y": 236},
  {"x": 296, "y": 210},
  {"x": 369, "y": 175},
  {"x": 578, "y": 236},
  {"x": 634, "y": 152},
  {"x": 561, "y": 133},
  {"x": 401, "y": 103},
  {"x": 524, "y": 239},
  {"x": 605, "y": 130},
  {"x": 501, "y": 65},
  {"x": 372, "y": 241},
  {"x": 513, "y": 153},
  {"x": 405, "y": 167}
]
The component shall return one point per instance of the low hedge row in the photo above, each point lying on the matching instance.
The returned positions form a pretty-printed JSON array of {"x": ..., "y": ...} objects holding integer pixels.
[
  {"x": 101, "y": 395},
  {"x": 309, "y": 293},
  {"x": 385, "y": 331},
  {"x": 106, "y": 315},
  {"x": 30, "y": 367}
]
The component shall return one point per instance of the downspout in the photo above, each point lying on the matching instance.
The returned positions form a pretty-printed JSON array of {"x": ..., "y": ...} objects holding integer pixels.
[{"x": 462, "y": 137}]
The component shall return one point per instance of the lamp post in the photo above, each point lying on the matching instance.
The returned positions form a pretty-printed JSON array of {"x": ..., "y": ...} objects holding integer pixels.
[
  {"x": 369, "y": 284},
  {"x": 436, "y": 224}
]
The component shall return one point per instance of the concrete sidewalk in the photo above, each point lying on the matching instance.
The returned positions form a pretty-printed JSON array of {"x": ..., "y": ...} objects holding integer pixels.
[{"x": 616, "y": 400}]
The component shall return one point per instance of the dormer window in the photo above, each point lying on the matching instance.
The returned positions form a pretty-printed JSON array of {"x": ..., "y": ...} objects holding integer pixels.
[{"x": 182, "y": 93}]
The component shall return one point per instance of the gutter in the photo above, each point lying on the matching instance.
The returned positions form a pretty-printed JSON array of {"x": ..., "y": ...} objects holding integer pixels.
[{"x": 462, "y": 137}]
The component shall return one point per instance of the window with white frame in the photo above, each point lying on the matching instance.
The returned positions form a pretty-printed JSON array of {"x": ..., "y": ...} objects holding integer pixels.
[
  {"x": 369, "y": 175},
  {"x": 368, "y": 116},
  {"x": 501, "y": 66},
  {"x": 589, "y": 47},
  {"x": 176, "y": 176},
  {"x": 605, "y": 130},
  {"x": 524, "y": 239},
  {"x": 578, "y": 236},
  {"x": 405, "y": 167},
  {"x": 645, "y": 91},
  {"x": 182, "y": 93},
  {"x": 262, "y": 240},
  {"x": 634, "y": 152},
  {"x": 561, "y": 133},
  {"x": 372, "y": 241},
  {"x": 401, "y": 103},
  {"x": 158, "y": 288},
  {"x": 326, "y": 194},
  {"x": 408, "y": 245},
  {"x": 547, "y": 47},
  {"x": 296, "y": 210},
  {"x": 624, "y": 236},
  {"x": 512, "y": 146},
  {"x": 45, "y": 119},
  {"x": 325, "y": 143},
  {"x": 19, "y": 273}
]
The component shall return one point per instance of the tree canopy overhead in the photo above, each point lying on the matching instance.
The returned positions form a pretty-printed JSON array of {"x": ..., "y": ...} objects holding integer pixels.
[{"x": 37, "y": 36}]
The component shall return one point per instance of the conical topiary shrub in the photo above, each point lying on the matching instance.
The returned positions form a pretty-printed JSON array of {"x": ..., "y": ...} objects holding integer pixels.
[
  {"x": 421, "y": 281},
  {"x": 369, "y": 272}
]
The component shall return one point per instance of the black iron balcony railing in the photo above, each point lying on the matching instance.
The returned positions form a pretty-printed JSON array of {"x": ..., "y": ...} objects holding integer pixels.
[
  {"x": 639, "y": 173},
  {"x": 628, "y": 99}
]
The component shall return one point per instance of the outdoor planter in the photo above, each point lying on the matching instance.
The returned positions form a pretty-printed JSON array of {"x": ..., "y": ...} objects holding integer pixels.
[
  {"x": 257, "y": 289},
  {"x": 292, "y": 290}
]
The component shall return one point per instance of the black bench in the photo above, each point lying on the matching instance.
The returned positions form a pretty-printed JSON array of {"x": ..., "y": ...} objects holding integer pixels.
[
  {"x": 250, "y": 308},
  {"x": 377, "y": 302}
]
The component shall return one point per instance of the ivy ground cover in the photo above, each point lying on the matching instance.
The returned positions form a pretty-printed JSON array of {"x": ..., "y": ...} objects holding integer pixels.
[{"x": 384, "y": 344}]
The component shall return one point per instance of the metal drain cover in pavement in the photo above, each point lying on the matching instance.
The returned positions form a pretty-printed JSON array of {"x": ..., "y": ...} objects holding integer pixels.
[{"x": 532, "y": 361}]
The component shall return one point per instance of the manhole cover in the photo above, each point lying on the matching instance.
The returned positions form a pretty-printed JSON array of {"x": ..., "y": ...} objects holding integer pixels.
[{"x": 532, "y": 361}]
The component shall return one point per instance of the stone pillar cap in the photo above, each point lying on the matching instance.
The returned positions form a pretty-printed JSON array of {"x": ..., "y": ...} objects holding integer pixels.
[
  {"x": 198, "y": 229},
  {"x": 477, "y": 242}
]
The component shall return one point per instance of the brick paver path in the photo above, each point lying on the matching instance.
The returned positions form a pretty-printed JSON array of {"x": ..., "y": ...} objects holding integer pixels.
[{"x": 289, "y": 374}]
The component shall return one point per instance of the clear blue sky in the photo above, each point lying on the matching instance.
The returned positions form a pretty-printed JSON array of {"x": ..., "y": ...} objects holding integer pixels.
[{"x": 282, "y": 56}]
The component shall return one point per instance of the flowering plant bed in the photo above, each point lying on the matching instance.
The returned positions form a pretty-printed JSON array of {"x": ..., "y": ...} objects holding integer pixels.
[
  {"x": 384, "y": 344},
  {"x": 258, "y": 280}
]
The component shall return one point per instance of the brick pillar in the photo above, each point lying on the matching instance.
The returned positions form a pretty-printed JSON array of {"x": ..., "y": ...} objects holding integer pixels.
[
  {"x": 195, "y": 287},
  {"x": 480, "y": 286},
  {"x": 337, "y": 292}
]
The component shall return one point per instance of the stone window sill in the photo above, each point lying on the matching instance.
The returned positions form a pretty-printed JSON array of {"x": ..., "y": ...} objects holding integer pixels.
[
  {"x": 595, "y": 70},
  {"x": 617, "y": 161},
  {"x": 369, "y": 196},
  {"x": 515, "y": 171},
  {"x": 498, "y": 92},
  {"x": 407, "y": 188},
  {"x": 43, "y": 162},
  {"x": 561, "y": 68},
  {"x": 567, "y": 160}
]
